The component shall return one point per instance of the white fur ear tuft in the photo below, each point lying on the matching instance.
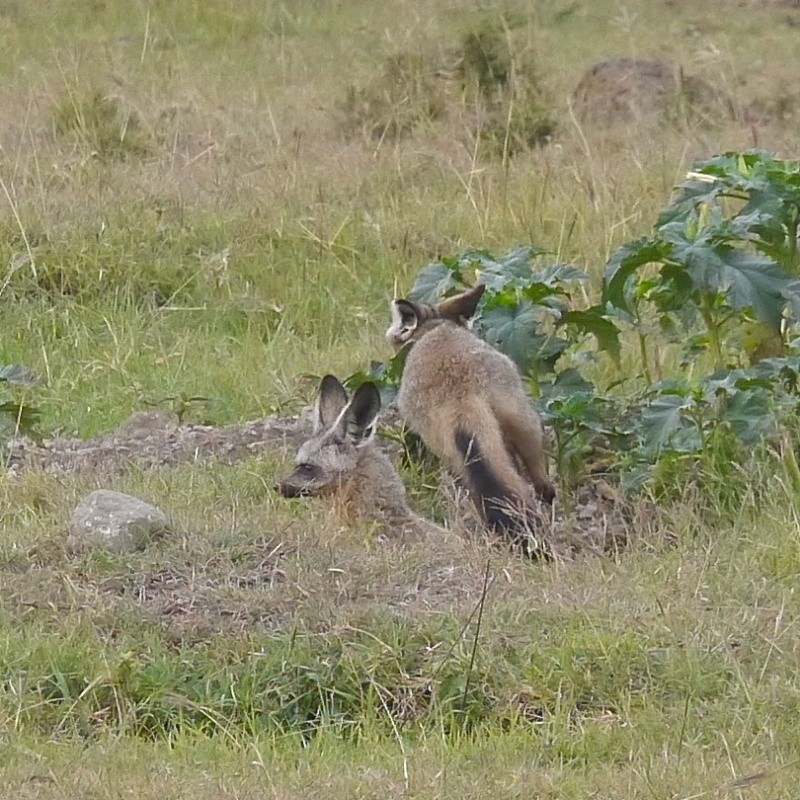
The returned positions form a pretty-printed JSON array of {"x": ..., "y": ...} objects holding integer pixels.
[{"x": 405, "y": 320}]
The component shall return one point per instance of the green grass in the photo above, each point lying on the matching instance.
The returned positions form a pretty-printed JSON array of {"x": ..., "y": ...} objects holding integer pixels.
[{"x": 186, "y": 212}]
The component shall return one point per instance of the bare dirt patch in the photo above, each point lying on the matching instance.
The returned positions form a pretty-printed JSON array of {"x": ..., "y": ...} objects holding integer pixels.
[
  {"x": 287, "y": 573},
  {"x": 155, "y": 439}
]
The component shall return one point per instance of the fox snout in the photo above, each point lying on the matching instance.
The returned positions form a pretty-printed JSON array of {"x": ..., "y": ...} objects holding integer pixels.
[{"x": 395, "y": 337}]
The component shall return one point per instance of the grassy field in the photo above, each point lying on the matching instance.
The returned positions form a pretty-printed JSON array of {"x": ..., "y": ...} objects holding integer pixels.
[{"x": 218, "y": 199}]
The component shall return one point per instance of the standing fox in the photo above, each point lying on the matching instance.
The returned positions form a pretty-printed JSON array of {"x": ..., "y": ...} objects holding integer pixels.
[
  {"x": 341, "y": 460},
  {"x": 467, "y": 402}
]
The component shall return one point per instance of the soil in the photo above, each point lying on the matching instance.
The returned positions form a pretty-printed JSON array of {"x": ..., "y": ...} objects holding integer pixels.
[
  {"x": 271, "y": 578},
  {"x": 155, "y": 439},
  {"x": 622, "y": 90}
]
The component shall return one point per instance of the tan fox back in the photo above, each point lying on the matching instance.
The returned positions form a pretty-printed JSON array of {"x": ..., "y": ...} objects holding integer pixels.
[
  {"x": 342, "y": 462},
  {"x": 467, "y": 402}
]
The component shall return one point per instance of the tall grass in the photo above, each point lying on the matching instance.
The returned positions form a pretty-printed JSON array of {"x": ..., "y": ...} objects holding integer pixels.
[{"x": 219, "y": 199}]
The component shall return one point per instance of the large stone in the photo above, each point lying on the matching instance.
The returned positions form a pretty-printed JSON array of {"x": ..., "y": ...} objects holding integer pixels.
[{"x": 116, "y": 521}]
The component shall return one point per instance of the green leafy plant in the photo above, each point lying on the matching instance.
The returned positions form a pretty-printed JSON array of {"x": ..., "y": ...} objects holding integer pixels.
[
  {"x": 721, "y": 257},
  {"x": 589, "y": 428},
  {"x": 768, "y": 191},
  {"x": 16, "y": 415},
  {"x": 526, "y": 310},
  {"x": 724, "y": 254}
]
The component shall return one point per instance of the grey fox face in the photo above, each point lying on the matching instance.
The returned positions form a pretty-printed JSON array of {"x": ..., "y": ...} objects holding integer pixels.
[
  {"x": 409, "y": 318},
  {"x": 341, "y": 429}
]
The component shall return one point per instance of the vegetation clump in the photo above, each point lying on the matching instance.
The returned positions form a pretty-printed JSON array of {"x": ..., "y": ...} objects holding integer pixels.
[
  {"x": 486, "y": 82},
  {"x": 709, "y": 271},
  {"x": 101, "y": 124},
  {"x": 403, "y": 96}
]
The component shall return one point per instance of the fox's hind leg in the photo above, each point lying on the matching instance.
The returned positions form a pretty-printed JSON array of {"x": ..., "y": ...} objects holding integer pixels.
[{"x": 522, "y": 430}]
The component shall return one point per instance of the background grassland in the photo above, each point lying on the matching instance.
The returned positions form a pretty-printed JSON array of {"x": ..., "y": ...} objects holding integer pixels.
[{"x": 217, "y": 199}]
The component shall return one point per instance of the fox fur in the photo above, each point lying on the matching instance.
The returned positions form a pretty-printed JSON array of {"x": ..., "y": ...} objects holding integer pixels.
[
  {"x": 341, "y": 461},
  {"x": 467, "y": 402}
]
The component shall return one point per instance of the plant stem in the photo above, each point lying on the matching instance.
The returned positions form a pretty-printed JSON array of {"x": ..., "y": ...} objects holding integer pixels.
[
  {"x": 643, "y": 353},
  {"x": 792, "y": 229},
  {"x": 714, "y": 342}
]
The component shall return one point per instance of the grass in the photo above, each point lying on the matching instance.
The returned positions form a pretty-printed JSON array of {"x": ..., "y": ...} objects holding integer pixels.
[{"x": 187, "y": 214}]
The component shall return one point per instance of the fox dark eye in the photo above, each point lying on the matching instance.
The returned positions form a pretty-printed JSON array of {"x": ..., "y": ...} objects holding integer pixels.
[{"x": 306, "y": 469}]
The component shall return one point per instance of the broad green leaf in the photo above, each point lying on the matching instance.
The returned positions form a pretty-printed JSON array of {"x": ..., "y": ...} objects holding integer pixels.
[
  {"x": 747, "y": 412},
  {"x": 517, "y": 263},
  {"x": 661, "y": 418},
  {"x": 776, "y": 374},
  {"x": 692, "y": 193},
  {"x": 542, "y": 294},
  {"x": 394, "y": 371},
  {"x": 748, "y": 279},
  {"x": 515, "y": 268},
  {"x": 756, "y": 282},
  {"x": 558, "y": 273},
  {"x": 625, "y": 261},
  {"x": 384, "y": 376},
  {"x": 792, "y": 294},
  {"x": 583, "y": 411},
  {"x": 592, "y": 320},
  {"x": 673, "y": 289},
  {"x": 722, "y": 382},
  {"x": 433, "y": 282},
  {"x": 512, "y": 329},
  {"x": 355, "y": 379},
  {"x": 569, "y": 381},
  {"x": 547, "y": 350},
  {"x": 473, "y": 257}
]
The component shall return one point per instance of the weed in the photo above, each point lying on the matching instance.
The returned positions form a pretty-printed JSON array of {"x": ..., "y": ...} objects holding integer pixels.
[
  {"x": 17, "y": 416},
  {"x": 101, "y": 125},
  {"x": 403, "y": 96},
  {"x": 503, "y": 84}
]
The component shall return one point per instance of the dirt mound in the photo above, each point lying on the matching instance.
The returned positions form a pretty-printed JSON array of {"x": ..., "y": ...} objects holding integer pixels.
[
  {"x": 622, "y": 90},
  {"x": 283, "y": 571},
  {"x": 155, "y": 439},
  {"x": 598, "y": 516}
]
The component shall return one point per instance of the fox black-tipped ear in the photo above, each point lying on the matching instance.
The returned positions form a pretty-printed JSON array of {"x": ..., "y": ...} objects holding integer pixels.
[
  {"x": 362, "y": 413},
  {"x": 331, "y": 401},
  {"x": 408, "y": 313},
  {"x": 461, "y": 307}
]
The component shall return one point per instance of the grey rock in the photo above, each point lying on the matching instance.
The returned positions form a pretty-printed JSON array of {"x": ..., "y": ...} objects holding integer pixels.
[{"x": 116, "y": 521}]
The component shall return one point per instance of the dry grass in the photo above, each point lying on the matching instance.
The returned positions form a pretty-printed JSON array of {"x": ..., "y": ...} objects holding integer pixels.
[{"x": 186, "y": 215}]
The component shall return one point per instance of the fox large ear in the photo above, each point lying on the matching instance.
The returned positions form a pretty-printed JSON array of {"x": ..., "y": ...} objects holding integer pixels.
[
  {"x": 405, "y": 312},
  {"x": 406, "y": 318},
  {"x": 362, "y": 413},
  {"x": 461, "y": 307},
  {"x": 331, "y": 401}
]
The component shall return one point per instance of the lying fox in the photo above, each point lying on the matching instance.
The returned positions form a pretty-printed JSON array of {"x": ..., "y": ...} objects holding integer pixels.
[
  {"x": 467, "y": 402},
  {"x": 341, "y": 460}
]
